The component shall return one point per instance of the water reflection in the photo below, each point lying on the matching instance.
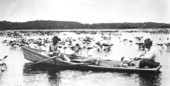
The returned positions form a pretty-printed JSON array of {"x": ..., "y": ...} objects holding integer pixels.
[
  {"x": 54, "y": 77},
  {"x": 53, "y": 74},
  {"x": 149, "y": 79}
]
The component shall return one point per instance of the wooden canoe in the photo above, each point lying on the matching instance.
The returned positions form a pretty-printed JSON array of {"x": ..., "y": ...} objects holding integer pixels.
[{"x": 35, "y": 55}]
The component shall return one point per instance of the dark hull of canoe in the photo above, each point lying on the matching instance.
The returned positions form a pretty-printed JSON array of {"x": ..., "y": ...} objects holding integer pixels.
[
  {"x": 34, "y": 55},
  {"x": 110, "y": 69}
]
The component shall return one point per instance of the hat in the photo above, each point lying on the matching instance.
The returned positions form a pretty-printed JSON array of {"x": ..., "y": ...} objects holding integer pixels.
[
  {"x": 56, "y": 38},
  {"x": 147, "y": 41}
]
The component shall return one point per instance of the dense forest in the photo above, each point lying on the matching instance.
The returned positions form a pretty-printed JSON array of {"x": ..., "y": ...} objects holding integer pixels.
[{"x": 42, "y": 24}]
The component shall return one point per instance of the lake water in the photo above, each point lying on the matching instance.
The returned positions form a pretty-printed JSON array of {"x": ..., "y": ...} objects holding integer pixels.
[{"x": 18, "y": 74}]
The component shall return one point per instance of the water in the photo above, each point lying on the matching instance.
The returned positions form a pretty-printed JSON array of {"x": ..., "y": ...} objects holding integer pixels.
[{"x": 19, "y": 74}]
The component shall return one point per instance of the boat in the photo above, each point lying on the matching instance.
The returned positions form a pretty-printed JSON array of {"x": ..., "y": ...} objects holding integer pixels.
[{"x": 36, "y": 55}]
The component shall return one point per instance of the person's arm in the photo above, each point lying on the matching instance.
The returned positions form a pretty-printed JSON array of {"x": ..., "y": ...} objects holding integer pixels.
[
  {"x": 142, "y": 54},
  {"x": 139, "y": 57},
  {"x": 50, "y": 53}
]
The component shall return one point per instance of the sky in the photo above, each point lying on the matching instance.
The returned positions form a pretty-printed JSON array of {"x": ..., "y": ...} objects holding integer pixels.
[{"x": 86, "y": 11}]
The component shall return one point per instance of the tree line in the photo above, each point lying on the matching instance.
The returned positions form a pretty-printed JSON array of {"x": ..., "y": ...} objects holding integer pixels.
[{"x": 42, "y": 24}]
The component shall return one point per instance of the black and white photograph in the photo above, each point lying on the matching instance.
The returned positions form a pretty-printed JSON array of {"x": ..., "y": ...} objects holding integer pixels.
[{"x": 84, "y": 42}]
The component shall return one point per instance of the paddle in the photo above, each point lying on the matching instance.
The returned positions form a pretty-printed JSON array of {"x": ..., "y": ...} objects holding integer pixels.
[
  {"x": 53, "y": 58},
  {"x": 43, "y": 60}
]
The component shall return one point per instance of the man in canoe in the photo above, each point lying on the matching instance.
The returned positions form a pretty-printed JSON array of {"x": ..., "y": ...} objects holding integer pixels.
[
  {"x": 150, "y": 58},
  {"x": 53, "y": 49}
]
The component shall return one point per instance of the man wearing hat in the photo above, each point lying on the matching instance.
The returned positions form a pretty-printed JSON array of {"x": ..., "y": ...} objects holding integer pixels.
[
  {"x": 54, "y": 46},
  {"x": 150, "y": 58},
  {"x": 53, "y": 49}
]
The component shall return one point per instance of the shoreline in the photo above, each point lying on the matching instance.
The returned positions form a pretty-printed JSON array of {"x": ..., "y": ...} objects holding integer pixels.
[{"x": 142, "y": 29}]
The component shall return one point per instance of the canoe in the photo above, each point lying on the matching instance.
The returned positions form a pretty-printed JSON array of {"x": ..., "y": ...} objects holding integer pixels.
[{"x": 36, "y": 55}]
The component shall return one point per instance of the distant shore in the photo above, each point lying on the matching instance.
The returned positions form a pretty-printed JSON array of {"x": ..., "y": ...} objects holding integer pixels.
[
  {"x": 76, "y": 26},
  {"x": 65, "y": 30}
]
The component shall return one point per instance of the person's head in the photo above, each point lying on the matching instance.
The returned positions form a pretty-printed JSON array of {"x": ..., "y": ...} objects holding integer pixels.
[
  {"x": 56, "y": 40},
  {"x": 147, "y": 43}
]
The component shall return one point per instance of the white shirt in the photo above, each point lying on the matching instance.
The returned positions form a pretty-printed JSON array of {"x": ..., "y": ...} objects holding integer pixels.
[
  {"x": 53, "y": 47},
  {"x": 152, "y": 54}
]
